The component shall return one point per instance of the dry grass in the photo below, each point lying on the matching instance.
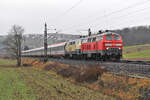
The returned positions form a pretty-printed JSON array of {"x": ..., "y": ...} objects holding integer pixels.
[
  {"x": 34, "y": 83},
  {"x": 88, "y": 73},
  {"x": 95, "y": 78}
]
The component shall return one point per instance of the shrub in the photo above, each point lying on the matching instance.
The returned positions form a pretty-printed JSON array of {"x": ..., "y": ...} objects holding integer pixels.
[
  {"x": 70, "y": 71},
  {"x": 90, "y": 74},
  {"x": 80, "y": 73},
  {"x": 54, "y": 67}
]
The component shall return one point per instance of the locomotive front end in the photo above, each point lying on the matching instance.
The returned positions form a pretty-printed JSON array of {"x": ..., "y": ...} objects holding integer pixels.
[{"x": 113, "y": 46}]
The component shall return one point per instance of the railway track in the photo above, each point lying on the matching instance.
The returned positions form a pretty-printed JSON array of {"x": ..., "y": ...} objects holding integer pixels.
[
  {"x": 130, "y": 68},
  {"x": 140, "y": 68},
  {"x": 136, "y": 62},
  {"x": 99, "y": 62}
]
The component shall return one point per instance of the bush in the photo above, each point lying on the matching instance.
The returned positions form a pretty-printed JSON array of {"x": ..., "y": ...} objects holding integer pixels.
[
  {"x": 54, "y": 67},
  {"x": 80, "y": 73},
  {"x": 90, "y": 74},
  {"x": 70, "y": 71}
]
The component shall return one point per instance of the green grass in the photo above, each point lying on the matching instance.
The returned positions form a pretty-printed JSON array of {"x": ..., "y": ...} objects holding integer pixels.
[
  {"x": 137, "y": 51},
  {"x": 28, "y": 83},
  {"x": 135, "y": 46},
  {"x": 6, "y": 62},
  {"x": 138, "y": 54},
  {"x": 12, "y": 86}
]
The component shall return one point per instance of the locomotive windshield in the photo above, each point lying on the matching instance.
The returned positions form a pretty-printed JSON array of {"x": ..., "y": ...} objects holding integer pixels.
[
  {"x": 109, "y": 37},
  {"x": 116, "y": 37}
]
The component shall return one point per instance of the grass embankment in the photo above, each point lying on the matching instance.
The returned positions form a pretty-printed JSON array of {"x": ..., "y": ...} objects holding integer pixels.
[
  {"x": 38, "y": 83},
  {"x": 137, "y": 52},
  {"x": 120, "y": 87},
  {"x": 33, "y": 83}
]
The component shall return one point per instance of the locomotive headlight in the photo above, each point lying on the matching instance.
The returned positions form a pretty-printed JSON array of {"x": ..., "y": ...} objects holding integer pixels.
[
  {"x": 118, "y": 44},
  {"x": 108, "y": 44}
]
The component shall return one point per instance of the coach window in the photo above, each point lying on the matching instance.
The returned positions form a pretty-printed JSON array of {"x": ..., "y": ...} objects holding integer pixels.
[
  {"x": 57, "y": 48},
  {"x": 109, "y": 37},
  {"x": 62, "y": 47},
  {"x": 70, "y": 43},
  {"x": 78, "y": 42}
]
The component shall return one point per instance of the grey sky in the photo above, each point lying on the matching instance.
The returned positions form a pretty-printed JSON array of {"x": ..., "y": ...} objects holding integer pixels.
[{"x": 32, "y": 14}]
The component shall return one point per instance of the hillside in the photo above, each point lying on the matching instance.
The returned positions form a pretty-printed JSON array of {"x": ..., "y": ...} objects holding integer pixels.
[
  {"x": 137, "y": 52},
  {"x": 36, "y": 40},
  {"x": 1, "y": 41},
  {"x": 135, "y": 35}
]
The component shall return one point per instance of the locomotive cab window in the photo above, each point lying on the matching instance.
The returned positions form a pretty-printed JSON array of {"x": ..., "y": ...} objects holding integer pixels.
[
  {"x": 70, "y": 43},
  {"x": 89, "y": 39},
  {"x": 73, "y": 42},
  {"x": 84, "y": 41},
  {"x": 94, "y": 39},
  {"x": 109, "y": 37},
  {"x": 99, "y": 38},
  {"x": 116, "y": 37}
]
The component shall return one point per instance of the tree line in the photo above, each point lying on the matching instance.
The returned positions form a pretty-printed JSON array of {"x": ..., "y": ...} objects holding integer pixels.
[{"x": 135, "y": 35}]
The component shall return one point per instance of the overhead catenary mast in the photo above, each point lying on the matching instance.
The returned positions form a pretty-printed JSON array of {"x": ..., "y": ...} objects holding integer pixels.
[{"x": 45, "y": 42}]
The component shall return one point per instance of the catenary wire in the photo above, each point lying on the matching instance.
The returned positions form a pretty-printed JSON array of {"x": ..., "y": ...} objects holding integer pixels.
[{"x": 111, "y": 13}]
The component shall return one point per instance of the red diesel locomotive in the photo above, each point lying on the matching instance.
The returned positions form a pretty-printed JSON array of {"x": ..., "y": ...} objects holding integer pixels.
[{"x": 103, "y": 46}]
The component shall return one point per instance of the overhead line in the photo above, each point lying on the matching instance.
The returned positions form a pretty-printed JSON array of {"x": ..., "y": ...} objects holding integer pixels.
[
  {"x": 117, "y": 11},
  {"x": 120, "y": 10},
  {"x": 69, "y": 10},
  {"x": 133, "y": 20},
  {"x": 74, "y": 6},
  {"x": 130, "y": 13}
]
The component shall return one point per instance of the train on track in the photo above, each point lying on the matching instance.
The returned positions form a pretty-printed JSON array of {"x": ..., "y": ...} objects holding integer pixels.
[{"x": 106, "y": 45}]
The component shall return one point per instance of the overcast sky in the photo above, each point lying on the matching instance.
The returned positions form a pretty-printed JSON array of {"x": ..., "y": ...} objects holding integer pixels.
[{"x": 73, "y": 16}]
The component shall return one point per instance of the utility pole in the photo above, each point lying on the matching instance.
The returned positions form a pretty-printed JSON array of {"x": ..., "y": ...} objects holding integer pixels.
[
  {"x": 45, "y": 43},
  {"x": 89, "y": 32}
]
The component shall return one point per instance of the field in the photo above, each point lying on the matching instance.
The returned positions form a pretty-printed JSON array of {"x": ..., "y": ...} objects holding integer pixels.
[
  {"x": 139, "y": 52},
  {"x": 32, "y": 83},
  {"x": 6, "y": 62},
  {"x": 43, "y": 81}
]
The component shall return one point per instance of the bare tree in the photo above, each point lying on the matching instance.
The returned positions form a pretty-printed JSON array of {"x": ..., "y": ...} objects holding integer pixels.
[{"x": 13, "y": 43}]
